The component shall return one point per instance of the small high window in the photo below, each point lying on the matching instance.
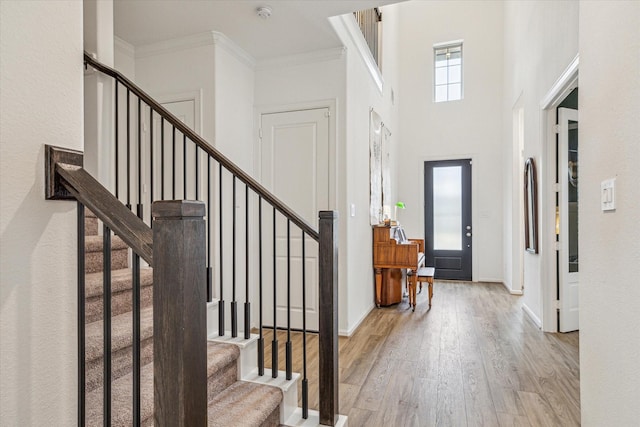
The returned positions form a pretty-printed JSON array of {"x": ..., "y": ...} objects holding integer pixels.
[{"x": 447, "y": 72}]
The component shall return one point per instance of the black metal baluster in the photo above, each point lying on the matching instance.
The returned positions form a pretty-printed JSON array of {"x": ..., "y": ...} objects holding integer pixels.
[
  {"x": 221, "y": 301},
  {"x": 81, "y": 318},
  {"x": 261, "y": 337},
  {"x": 305, "y": 382},
  {"x": 117, "y": 144},
  {"x": 161, "y": 158},
  {"x": 173, "y": 167},
  {"x": 151, "y": 162},
  {"x": 288, "y": 348},
  {"x": 136, "y": 339},
  {"x": 128, "y": 149},
  {"x": 209, "y": 221},
  {"x": 274, "y": 342},
  {"x": 184, "y": 167},
  {"x": 197, "y": 174},
  {"x": 139, "y": 205},
  {"x": 247, "y": 305},
  {"x": 234, "y": 303},
  {"x": 106, "y": 324}
]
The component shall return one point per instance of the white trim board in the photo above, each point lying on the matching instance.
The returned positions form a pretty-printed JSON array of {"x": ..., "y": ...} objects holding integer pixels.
[
  {"x": 208, "y": 38},
  {"x": 348, "y": 333},
  {"x": 566, "y": 82},
  {"x": 532, "y": 316},
  {"x": 301, "y": 59},
  {"x": 124, "y": 47}
]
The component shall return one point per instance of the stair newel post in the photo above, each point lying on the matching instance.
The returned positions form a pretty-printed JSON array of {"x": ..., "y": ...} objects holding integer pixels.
[
  {"x": 179, "y": 313},
  {"x": 328, "y": 317}
]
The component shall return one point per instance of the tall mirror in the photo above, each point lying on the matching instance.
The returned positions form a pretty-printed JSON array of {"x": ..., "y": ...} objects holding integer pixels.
[{"x": 530, "y": 207}]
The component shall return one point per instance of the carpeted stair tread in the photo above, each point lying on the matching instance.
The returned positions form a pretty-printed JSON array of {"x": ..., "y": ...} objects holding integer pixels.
[
  {"x": 222, "y": 366},
  {"x": 94, "y": 257},
  {"x": 121, "y": 332},
  {"x": 120, "y": 281},
  {"x": 94, "y": 243},
  {"x": 220, "y": 355},
  {"x": 122, "y": 395},
  {"x": 244, "y": 404},
  {"x": 121, "y": 398}
]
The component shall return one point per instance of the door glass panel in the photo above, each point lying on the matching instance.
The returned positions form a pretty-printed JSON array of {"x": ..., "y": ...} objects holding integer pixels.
[
  {"x": 447, "y": 208},
  {"x": 573, "y": 196}
]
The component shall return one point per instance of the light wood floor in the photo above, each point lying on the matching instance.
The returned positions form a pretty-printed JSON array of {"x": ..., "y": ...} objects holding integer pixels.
[{"x": 474, "y": 359}]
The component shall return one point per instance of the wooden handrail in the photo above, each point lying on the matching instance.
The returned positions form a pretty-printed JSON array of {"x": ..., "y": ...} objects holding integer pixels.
[
  {"x": 84, "y": 188},
  {"x": 206, "y": 147}
]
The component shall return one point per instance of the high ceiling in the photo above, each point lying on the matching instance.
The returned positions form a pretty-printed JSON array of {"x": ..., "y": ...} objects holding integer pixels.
[{"x": 295, "y": 26}]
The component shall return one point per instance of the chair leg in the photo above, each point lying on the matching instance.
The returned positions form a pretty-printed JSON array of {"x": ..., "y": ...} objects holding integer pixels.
[{"x": 430, "y": 290}]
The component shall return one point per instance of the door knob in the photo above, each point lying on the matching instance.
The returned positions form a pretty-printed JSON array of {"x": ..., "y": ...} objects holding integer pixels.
[
  {"x": 468, "y": 234},
  {"x": 468, "y": 227}
]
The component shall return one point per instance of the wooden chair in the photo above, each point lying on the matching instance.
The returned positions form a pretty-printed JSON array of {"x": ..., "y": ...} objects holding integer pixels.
[{"x": 424, "y": 274}]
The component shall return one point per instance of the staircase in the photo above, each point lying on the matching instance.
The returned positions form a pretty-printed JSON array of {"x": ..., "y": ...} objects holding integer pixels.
[
  {"x": 196, "y": 208},
  {"x": 230, "y": 402}
]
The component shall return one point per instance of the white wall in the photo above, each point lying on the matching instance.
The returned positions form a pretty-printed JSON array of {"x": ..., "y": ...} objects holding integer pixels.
[
  {"x": 540, "y": 41},
  {"x": 98, "y": 107},
  {"x": 362, "y": 95},
  {"x": 609, "y": 105},
  {"x": 469, "y": 128},
  {"x": 41, "y": 84},
  {"x": 234, "y": 87}
]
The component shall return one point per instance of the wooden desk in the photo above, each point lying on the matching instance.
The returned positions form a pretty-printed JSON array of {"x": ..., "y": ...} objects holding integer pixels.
[{"x": 389, "y": 254}]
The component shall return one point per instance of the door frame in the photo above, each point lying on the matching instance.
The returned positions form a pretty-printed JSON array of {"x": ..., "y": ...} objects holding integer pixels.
[
  {"x": 474, "y": 203},
  {"x": 567, "y": 81}
]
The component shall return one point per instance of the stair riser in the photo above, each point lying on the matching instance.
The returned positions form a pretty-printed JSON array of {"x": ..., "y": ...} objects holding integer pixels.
[
  {"x": 119, "y": 260},
  {"x": 121, "y": 362},
  {"x": 222, "y": 379},
  {"x": 121, "y": 302},
  {"x": 273, "y": 420}
]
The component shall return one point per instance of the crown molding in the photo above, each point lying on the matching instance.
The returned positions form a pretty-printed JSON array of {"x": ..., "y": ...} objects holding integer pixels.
[
  {"x": 230, "y": 46},
  {"x": 322, "y": 55},
  {"x": 209, "y": 38},
  {"x": 175, "y": 45},
  {"x": 347, "y": 27},
  {"x": 124, "y": 46}
]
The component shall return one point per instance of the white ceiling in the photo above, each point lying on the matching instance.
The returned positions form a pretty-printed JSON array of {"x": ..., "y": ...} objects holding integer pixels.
[{"x": 295, "y": 26}]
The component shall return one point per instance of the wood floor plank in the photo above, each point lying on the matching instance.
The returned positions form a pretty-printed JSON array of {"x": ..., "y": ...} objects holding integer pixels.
[
  {"x": 474, "y": 358},
  {"x": 538, "y": 410},
  {"x": 510, "y": 420}
]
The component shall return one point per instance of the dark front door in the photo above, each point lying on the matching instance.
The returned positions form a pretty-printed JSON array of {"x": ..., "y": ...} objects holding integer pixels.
[{"x": 448, "y": 225}]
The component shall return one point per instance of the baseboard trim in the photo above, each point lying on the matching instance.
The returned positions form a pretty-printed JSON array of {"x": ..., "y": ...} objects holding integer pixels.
[
  {"x": 352, "y": 331},
  {"x": 513, "y": 291},
  {"x": 532, "y": 316}
]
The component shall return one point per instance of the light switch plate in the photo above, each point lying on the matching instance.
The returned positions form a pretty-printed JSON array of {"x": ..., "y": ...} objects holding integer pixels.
[{"x": 608, "y": 194}]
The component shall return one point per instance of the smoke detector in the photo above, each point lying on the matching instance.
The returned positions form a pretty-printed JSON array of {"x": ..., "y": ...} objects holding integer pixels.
[{"x": 264, "y": 12}]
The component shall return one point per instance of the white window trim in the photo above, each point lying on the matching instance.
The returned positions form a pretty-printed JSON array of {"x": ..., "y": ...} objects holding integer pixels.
[{"x": 444, "y": 45}]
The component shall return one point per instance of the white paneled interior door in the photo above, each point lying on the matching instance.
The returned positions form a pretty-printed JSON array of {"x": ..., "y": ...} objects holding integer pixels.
[{"x": 294, "y": 165}]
